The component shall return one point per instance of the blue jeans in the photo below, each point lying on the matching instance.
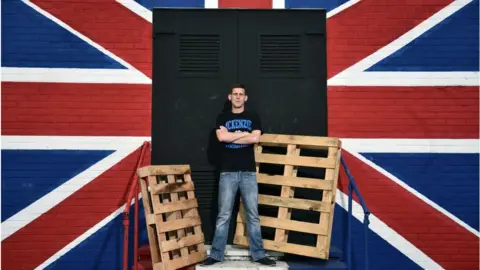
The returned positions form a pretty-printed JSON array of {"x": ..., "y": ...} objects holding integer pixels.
[{"x": 230, "y": 182}]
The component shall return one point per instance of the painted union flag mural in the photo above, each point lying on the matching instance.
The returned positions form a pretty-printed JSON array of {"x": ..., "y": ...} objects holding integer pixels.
[{"x": 403, "y": 80}]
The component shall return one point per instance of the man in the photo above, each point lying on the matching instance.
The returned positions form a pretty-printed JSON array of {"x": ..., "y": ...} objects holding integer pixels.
[{"x": 238, "y": 130}]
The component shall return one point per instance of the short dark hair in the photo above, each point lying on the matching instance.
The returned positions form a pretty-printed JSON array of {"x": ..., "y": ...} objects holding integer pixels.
[{"x": 238, "y": 85}]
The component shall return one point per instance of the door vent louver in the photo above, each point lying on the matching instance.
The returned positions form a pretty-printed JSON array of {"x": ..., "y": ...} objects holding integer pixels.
[
  {"x": 280, "y": 53},
  {"x": 199, "y": 53}
]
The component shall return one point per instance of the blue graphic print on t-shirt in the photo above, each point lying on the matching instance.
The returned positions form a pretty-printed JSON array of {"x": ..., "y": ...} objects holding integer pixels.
[{"x": 238, "y": 125}]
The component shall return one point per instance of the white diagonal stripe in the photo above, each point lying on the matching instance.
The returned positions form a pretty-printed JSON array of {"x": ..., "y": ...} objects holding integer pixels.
[
  {"x": 412, "y": 190},
  {"x": 388, "y": 234},
  {"x": 122, "y": 146},
  {"x": 356, "y": 75},
  {"x": 74, "y": 75}
]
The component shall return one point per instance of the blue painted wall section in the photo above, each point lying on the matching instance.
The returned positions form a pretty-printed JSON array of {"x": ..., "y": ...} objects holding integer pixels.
[
  {"x": 28, "y": 175},
  {"x": 30, "y": 39},
  {"x": 382, "y": 254},
  {"x": 439, "y": 176},
  {"x": 104, "y": 249},
  {"x": 149, "y": 4},
  {"x": 327, "y": 4},
  {"x": 451, "y": 45}
]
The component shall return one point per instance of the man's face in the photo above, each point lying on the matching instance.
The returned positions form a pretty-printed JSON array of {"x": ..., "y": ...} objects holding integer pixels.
[{"x": 238, "y": 97}]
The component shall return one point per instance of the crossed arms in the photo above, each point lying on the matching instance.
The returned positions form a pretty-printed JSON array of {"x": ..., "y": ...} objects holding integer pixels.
[{"x": 238, "y": 137}]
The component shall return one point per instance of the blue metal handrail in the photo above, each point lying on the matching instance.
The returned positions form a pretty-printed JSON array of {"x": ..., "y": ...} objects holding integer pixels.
[{"x": 353, "y": 187}]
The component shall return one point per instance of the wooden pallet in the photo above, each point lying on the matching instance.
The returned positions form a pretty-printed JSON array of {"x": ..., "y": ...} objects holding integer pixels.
[
  {"x": 283, "y": 223},
  {"x": 171, "y": 212}
]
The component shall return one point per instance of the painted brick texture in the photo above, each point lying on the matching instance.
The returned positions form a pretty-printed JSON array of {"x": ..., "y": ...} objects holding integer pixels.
[
  {"x": 110, "y": 25},
  {"x": 71, "y": 218},
  {"x": 79, "y": 109},
  {"x": 76, "y": 109},
  {"x": 418, "y": 112}
]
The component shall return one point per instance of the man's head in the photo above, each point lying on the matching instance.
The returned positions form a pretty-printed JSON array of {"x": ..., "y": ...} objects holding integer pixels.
[{"x": 238, "y": 96}]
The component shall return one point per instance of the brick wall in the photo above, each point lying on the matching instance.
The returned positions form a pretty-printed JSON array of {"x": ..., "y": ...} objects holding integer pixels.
[
  {"x": 74, "y": 72},
  {"x": 418, "y": 112},
  {"x": 75, "y": 109}
]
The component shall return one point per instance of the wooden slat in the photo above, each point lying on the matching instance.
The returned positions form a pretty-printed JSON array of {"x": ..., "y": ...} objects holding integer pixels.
[
  {"x": 177, "y": 224},
  {"x": 194, "y": 212},
  {"x": 310, "y": 142},
  {"x": 175, "y": 201},
  {"x": 188, "y": 212},
  {"x": 287, "y": 192},
  {"x": 174, "y": 187},
  {"x": 192, "y": 258},
  {"x": 294, "y": 203},
  {"x": 291, "y": 225},
  {"x": 155, "y": 201},
  {"x": 296, "y": 161},
  {"x": 326, "y": 220},
  {"x": 150, "y": 218},
  {"x": 182, "y": 242},
  {"x": 152, "y": 237},
  {"x": 160, "y": 266},
  {"x": 165, "y": 198},
  {"x": 177, "y": 206},
  {"x": 286, "y": 247},
  {"x": 286, "y": 201},
  {"x": 156, "y": 170},
  {"x": 293, "y": 181}
]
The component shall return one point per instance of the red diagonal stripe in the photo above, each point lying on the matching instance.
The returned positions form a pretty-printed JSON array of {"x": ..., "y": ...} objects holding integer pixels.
[
  {"x": 110, "y": 25},
  {"x": 443, "y": 240},
  {"x": 369, "y": 25},
  {"x": 39, "y": 240},
  {"x": 403, "y": 112},
  {"x": 245, "y": 3},
  {"x": 75, "y": 109}
]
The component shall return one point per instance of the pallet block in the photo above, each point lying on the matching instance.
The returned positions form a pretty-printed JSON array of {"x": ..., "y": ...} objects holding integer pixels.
[
  {"x": 171, "y": 212},
  {"x": 287, "y": 201}
]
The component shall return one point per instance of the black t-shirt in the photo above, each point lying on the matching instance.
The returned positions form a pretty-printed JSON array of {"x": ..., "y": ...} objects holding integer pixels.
[{"x": 238, "y": 157}]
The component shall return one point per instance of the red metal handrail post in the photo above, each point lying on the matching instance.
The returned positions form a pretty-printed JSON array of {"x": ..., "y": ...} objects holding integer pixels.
[
  {"x": 126, "y": 214},
  {"x": 126, "y": 224},
  {"x": 135, "y": 229}
]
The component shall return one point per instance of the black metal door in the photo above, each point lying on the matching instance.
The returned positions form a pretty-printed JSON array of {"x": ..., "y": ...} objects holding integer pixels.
[
  {"x": 199, "y": 53},
  {"x": 194, "y": 63},
  {"x": 282, "y": 60}
]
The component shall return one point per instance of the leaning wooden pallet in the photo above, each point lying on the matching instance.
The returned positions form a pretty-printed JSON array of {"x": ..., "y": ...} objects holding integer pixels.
[
  {"x": 286, "y": 201},
  {"x": 171, "y": 212}
]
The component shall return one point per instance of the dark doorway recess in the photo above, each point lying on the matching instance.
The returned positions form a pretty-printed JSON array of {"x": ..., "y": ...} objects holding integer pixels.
[{"x": 198, "y": 54}]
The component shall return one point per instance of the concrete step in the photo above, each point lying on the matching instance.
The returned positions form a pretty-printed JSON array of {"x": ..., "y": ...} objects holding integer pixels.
[
  {"x": 281, "y": 265},
  {"x": 242, "y": 265},
  {"x": 238, "y": 257},
  {"x": 234, "y": 252},
  {"x": 241, "y": 253}
]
